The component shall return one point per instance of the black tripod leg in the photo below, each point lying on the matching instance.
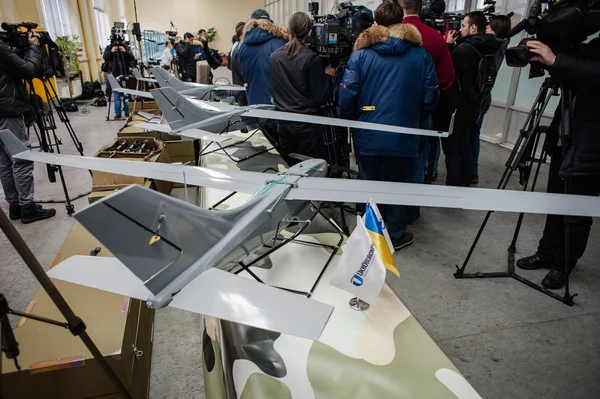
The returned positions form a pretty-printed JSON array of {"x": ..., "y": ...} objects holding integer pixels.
[
  {"x": 77, "y": 327},
  {"x": 68, "y": 205}
]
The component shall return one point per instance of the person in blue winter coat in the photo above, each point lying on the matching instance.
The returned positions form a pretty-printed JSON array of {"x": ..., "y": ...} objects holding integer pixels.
[
  {"x": 261, "y": 38},
  {"x": 389, "y": 79}
]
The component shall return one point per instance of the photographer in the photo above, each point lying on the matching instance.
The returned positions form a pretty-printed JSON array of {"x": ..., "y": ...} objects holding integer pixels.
[
  {"x": 580, "y": 71},
  {"x": 167, "y": 55},
  {"x": 388, "y": 62},
  {"x": 301, "y": 83},
  {"x": 17, "y": 175},
  {"x": 188, "y": 53},
  {"x": 117, "y": 60},
  {"x": 467, "y": 57}
]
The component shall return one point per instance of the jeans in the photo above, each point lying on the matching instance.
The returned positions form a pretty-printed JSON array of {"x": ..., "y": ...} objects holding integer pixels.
[
  {"x": 552, "y": 243},
  {"x": 393, "y": 169},
  {"x": 432, "y": 149},
  {"x": 476, "y": 143},
  {"x": 459, "y": 157},
  {"x": 418, "y": 176},
  {"x": 16, "y": 175},
  {"x": 117, "y": 100}
]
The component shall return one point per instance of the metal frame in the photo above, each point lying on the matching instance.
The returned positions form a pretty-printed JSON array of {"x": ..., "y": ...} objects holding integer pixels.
[{"x": 275, "y": 245}]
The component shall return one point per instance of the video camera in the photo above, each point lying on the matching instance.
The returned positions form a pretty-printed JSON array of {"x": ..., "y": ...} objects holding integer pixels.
[
  {"x": 117, "y": 34},
  {"x": 561, "y": 25},
  {"x": 333, "y": 36},
  {"x": 16, "y": 35},
  {"x": 434, "y": 15}
]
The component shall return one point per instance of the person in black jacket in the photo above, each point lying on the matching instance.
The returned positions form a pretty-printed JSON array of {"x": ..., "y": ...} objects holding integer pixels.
[
  {"x": 117, "y": 61},
  {"x": 235, "y": 66},
  {"x": 187, "y": 57},
  {"x": 581, "y": 164},
  {"x": 466, "y": 56},
  {"x": 17, "y": 175},
  {"x": 302, "y": 84}
]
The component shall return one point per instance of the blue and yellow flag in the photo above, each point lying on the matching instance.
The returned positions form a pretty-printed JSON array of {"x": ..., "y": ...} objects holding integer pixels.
[{"x": 376, "y": 229}]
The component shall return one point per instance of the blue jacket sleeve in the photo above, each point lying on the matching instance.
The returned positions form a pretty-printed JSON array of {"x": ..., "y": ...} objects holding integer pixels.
[
  {"x": 350, "y": 87},
  {"x": 432, "y": 92}
]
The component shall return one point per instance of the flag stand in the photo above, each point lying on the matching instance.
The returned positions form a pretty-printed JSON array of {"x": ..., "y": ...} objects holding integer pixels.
[{"x": 358, "y": 304}]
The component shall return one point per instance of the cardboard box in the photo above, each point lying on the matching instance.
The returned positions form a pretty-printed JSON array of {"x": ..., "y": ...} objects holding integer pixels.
[
  {"x": 98, "y": 195},
  {"x": 55, "y": 364},
  {"x": 181, "y": 151},
  {"x": 103, "y": 181}
]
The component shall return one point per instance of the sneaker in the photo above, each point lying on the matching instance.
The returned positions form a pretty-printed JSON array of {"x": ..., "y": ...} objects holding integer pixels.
[
  {"x": 474, "y": 179},
  {"x": 533, "y": 262},
  {"x": 404, "y": 242},
  {"x": 14, "y": 212},
  {"x": 554, "y": 280},
  {"x": 117, "y": 116},
  {"x": 126, "y": 114},
  {"x": 34, "y": 213}
]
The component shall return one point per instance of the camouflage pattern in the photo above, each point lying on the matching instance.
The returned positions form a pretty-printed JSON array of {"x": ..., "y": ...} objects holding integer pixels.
[{"x": 379, "y": 353}]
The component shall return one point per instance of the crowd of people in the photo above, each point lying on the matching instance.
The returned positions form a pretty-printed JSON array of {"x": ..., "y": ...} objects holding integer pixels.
[{"x": 401, "y": 72}]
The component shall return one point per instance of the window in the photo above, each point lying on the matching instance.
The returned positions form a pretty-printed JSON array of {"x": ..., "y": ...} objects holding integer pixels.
[
  {"x": 455, "y": 5},
  {"x": 56, "y": 18},
  {"x": 102, "y": 23}
]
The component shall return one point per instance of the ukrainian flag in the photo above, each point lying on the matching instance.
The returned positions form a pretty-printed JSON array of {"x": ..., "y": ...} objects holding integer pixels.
[{"x": 376, "y": 228}]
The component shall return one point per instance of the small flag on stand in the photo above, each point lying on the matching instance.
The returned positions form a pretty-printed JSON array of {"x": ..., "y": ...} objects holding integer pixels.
[{"x": 367, "y": 255}]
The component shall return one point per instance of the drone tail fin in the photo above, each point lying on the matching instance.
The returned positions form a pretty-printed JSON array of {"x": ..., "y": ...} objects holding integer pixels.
[{"x": 165, "y": 79}]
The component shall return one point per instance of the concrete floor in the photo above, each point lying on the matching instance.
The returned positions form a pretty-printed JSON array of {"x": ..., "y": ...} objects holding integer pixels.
[{"x": 509, "y": 340}]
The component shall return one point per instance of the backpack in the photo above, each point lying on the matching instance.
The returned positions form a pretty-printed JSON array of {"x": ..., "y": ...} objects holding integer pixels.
[{"x": 487, "y": 72}]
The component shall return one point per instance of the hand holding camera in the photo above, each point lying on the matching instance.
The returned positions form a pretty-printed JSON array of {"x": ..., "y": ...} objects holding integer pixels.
[
  {"x": 33, "y": 38},
  {"x": 544, "y": 53}
]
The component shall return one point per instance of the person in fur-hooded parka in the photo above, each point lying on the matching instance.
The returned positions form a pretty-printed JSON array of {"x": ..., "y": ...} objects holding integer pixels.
[{"x": 261, "y": 38}]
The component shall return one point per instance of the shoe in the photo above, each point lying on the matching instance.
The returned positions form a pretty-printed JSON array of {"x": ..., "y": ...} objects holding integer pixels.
[
  {"x": 430, "y": 179},
  {"x": 127, "y": 115},
  {"x": 34, "y": 213},
  {"x": 533, "y": 262},
  {"x": 117, "y": 116},
  {"x": 554, "y": 280},
  {"x": 404, "y": 242},
  {"x": 14, "y": 212},
  {"x": 474, "y": 179}
]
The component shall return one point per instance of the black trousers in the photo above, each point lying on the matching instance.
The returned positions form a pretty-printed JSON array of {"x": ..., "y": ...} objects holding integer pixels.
[
  {"x": 552, "y": 244},
  {"x": 301, "y": 138},
  {"x": 459, "y": 157}
]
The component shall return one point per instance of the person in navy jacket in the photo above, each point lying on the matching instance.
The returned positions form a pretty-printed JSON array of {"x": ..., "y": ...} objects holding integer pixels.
[{"x": 389, "y": 79}]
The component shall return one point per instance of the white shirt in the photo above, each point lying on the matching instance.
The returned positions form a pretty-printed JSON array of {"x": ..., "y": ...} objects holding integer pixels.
[{"x": 167, "y": 57}]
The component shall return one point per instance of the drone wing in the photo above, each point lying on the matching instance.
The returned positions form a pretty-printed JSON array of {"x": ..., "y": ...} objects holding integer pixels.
[
  {"x": 116, "y": 86},
  {"x": 196, "y": 134},
  {"x": 361, "y": 191},
  {"x": 138, "y": 76},
  {"x": 245, "y": 182},
  {"x": 322, "y": 120}
]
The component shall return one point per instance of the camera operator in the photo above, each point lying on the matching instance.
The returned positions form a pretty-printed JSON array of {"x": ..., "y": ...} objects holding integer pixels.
[
  {"x": 467, "y": 56},
  {"x": 261, "y": 38},
  {"x": 188, "y": 51},
  {"x": 301, "y": 83},
  {"x": 389, "y": 79},
  {"x": 17, "y": 175},
  {"x": 117, "y": 60},
  {"x": 579, "y": 70}
]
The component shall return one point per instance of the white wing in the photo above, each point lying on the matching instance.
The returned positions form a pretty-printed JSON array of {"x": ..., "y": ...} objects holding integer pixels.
[
  {"x": 322, "y": 120},
  {"x": 214, "y": 293},
  {"x": 197, "y": 134},
  {"x": 116, "y": 86},
  {"x": 361, "y": 191}
]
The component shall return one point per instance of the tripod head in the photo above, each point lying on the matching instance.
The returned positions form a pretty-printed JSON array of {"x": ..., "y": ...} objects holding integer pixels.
[{"x": 10, "y": 346}]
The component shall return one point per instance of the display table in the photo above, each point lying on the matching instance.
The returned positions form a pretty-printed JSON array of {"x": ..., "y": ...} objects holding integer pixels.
[{"x": 382, "y": 352}]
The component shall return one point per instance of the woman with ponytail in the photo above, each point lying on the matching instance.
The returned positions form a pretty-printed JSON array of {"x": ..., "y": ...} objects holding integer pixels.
[{"x": 302, "y": 84}]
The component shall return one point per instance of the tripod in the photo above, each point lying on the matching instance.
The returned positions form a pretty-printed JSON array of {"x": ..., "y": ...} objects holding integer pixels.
[
  {"x": 73, "y": 323},
  {"x": 523, "y": 158},
  {"x": 44, "y": 125}
]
